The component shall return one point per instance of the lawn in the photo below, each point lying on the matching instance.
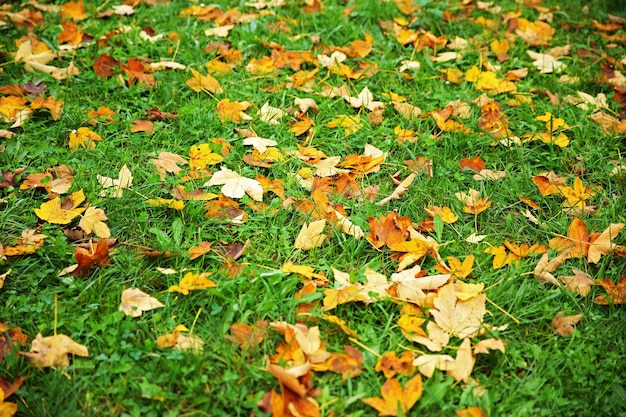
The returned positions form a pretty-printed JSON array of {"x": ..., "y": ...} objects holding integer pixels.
[{"x": 305, "y": 208}]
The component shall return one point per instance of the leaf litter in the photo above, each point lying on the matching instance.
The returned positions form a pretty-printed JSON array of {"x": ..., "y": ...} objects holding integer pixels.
[{"x": 441, "y": 312}]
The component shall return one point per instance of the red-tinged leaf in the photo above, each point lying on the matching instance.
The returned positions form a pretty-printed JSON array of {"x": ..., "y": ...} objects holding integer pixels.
[
  {"x": 475, "y": 164},
  {"x": 136, "y": 71},
  {"x": 88, "y": 259},
  {"x": 104, "y": 66}
]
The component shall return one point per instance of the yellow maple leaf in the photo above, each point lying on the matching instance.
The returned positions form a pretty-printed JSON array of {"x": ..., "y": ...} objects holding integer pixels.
[
  {"x": 83, "y": 137},
  {"x": 461, "y": 269},
  {"x": 201, "y": 155},
  {"x": 350, "y": 123},
  {"x": 311, "y": 235},
  {"x": 577, "y": 196},
  {"x": 232, "y": 111},
  {"x": 460, "y": 318},
  {"x": 93, "y": 221},
  {"x": 205, "y": 83},
  {"x": 192, "y": 282},
  {"x": 56, "y": 212},
  {"x": 447, "y": 216}
]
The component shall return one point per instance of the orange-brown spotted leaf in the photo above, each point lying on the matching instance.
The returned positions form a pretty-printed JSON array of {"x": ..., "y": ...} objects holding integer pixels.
[
  {"x": 199, "y": 250},
  {"x": 396, "y": 399},
  {"x": 391, "y": 365},
  {"x": 616, "y": 293},
  {"x": 245, "y": 335},
  {"x": 104, "y": 66},
  {"x": 348, "y": 364}
]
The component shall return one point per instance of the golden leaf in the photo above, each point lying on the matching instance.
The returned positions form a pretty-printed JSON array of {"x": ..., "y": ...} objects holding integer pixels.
[{"x": 55, "y": 212}]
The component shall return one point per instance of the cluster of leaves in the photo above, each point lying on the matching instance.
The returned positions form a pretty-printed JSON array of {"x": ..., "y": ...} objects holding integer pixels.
[{"x": 245, "y": 178}]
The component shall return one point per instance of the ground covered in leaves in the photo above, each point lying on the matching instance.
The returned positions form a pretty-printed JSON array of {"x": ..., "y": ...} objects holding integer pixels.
[{"x": 312, "y": 208}]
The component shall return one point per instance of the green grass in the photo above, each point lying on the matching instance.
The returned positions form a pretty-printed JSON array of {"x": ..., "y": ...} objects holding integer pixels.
[{"x": 127, "y": 374}]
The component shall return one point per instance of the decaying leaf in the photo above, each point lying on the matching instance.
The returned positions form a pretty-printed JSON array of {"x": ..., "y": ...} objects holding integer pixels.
[
  {"x": 178, "y": 340},
  {"x": 616, "y": 293},
  {"x": 311, "y": 235},
  {"x": 135, "y": 302},
  {"x": 114, "y": 187},
  {"x": 564, "y": 325},
  {"x": 54, "y": 350}
]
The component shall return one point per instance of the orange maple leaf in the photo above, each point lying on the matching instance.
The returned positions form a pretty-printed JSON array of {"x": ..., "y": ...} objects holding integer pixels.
[
  {"x": 616, "y": 292},
  {"x": 395, "y": 398},
  {"x": 88, "y": 259},
  {"x": 245, "y": 335},
  {"x": 348, "y": 364},
  {"x": 391, "y": 365},
  {"x": 388, "y": 229},
  {"x": 136, "y": 71}
]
